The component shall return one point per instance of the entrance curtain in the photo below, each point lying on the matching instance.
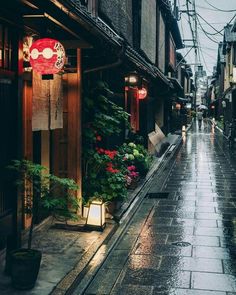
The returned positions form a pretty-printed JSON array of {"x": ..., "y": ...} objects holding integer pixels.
[{"x": 47, "y": 112}]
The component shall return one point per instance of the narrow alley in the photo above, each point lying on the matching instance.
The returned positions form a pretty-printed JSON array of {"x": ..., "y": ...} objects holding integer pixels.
[{"x": 181, "y": 239}]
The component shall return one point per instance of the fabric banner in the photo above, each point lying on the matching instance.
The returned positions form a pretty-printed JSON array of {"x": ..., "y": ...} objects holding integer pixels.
[
  {"x": 56, "y": 102},
  {"x": 47, "y": 112}
]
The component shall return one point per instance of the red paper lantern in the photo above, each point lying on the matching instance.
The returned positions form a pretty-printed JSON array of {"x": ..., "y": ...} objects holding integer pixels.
[
  {"x": 47, "y": 56},
  {"x": 142, "y": 93}
]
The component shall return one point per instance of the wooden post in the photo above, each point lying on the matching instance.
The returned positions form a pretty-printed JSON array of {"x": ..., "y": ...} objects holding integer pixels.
[{"x": 74, "y": 126}]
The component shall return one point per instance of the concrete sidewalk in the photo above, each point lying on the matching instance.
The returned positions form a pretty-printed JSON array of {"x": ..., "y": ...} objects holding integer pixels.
[{"x": 67, "y": 252}]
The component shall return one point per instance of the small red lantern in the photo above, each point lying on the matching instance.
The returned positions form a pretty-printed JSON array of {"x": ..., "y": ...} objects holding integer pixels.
[
  {"x": 142, "y": 93},
  {"x": 47, "y": 56}
]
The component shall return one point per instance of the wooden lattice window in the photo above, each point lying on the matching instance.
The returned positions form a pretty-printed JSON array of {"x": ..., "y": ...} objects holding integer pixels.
[{"x": 6, "y": 37}]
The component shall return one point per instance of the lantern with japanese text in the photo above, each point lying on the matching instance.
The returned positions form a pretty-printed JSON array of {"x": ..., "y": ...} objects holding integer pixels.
[{"x": 47, "y": 56}]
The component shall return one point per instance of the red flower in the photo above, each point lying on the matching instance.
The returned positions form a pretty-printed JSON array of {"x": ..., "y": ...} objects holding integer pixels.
[
  {"x": 131, "y": 168},
  {"x": 100, "y": 150},
  {"x": 110, "y": 168},
  {"x": 98, "y": 138}
]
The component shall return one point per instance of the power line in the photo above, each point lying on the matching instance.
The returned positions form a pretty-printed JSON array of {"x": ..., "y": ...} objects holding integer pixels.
[
  {"x": 218, "y": 32},
  {"x": 205, "y": 33},
  {"x": 205, "y": 52},
  {"x": 219, "y": 9}
]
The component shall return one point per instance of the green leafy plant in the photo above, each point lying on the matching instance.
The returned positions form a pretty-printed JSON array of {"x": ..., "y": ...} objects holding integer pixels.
[
  {"x": 103, "y": 171},
  {"x": 55, "y": 194},
  {"x": 137, "y": 155}
]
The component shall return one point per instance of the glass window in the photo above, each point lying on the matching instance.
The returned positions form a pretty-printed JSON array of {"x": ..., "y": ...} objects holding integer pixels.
[{"x": 6, "y": 36}]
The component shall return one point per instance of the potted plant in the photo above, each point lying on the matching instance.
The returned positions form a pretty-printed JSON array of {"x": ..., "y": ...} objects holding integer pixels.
[
  {"x": 103, "y": 169},
  {"x": 25, "y": 262}
]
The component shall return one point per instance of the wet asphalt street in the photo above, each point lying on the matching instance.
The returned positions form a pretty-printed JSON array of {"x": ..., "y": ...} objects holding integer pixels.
[{"x": 182, "y": 239}]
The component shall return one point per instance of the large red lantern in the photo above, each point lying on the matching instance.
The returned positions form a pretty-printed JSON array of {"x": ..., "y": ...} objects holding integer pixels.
[
  {"x": 47, "y": 56},
  {"x": 142, "y": 93}
]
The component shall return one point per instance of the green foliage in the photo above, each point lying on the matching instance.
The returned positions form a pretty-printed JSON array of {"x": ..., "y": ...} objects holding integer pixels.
[
  {"x": 103, "y": 174},
  {"x": 55, "y": 194},
  {"x": 137, "y": 155}
]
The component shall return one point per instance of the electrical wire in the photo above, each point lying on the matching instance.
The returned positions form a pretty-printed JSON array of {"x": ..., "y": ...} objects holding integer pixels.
[
  {"x": 206, "y": 8},
  {"x": 210, "y": 38},
  {"x": 217, "y": 32},
  {"x": 190, "y": 24},
  {"x": 219, "y": 9},
  {"x": 205, "y": 52}
]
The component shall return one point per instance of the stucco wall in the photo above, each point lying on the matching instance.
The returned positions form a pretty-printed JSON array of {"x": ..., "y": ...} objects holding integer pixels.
[
  {"x": 119, "y": 14},
  {"x": 161, "y": 45},
  {"x": 148, "y": 28}
]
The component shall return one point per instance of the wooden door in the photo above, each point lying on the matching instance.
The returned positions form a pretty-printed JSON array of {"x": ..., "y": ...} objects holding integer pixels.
[{"x": 8, "y": 151}]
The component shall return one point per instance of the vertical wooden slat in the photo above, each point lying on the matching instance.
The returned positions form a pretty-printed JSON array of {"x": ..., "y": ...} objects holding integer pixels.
[
  {"x": 27, "y": 136},
  {"x": 27, "y": 121},
  {"x": 74, "y": 124},
  {"x": 66, "y": 142}
]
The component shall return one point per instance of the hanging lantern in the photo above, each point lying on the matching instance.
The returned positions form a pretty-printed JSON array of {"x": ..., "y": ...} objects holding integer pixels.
[
  {"x": 47, "y": 56},
  {"x": 142, "y": 93}
]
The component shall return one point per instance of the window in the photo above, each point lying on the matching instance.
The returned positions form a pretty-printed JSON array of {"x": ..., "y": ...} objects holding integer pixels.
[
  {"x": 172, "y": 52},
  {"x": 234, "y": 54},
  {"x": 5, "y": 47},
  {"x": 92, "y": 6}
]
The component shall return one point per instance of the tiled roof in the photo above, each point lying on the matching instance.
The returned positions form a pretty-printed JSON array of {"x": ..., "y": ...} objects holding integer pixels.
[
  {"x": 229, "y": 35},
  {"x": 106, "y": 31}
]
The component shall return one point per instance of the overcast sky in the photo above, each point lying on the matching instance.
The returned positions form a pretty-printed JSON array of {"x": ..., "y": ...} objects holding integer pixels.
[{"x": 218, "y": 19}]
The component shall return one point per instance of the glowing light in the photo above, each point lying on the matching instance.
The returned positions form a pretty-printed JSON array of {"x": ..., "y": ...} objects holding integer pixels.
[
  {"x": 96, "y": 215},
  {"x": 47, "y": 56},
  {"x": 142, "y": 93}
]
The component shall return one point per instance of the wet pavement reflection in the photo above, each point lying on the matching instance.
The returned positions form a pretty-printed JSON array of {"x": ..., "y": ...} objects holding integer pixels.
[{"x": 185, "y": 243}]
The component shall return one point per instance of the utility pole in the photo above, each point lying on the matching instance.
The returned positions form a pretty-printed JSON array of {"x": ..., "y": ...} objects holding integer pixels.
[
  {"x": 195, "y": 50},
  {"x": 175, "y": 11}
]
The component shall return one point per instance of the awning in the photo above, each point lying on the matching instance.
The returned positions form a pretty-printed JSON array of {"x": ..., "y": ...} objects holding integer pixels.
[
  {"x": 177, "y": 86},
  {"x": 183, "y": 99},
  {"x": 147, "y": 67},
  {"x": 76, "y": 18}
]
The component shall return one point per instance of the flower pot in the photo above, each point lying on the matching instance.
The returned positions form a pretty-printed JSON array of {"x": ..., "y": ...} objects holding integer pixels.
[
  {"x": 113, "y": 206},
  {"x": 25, "y": 264}
]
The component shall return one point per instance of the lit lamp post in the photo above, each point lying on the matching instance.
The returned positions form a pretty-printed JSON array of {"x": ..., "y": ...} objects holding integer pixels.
[{"x": 96, "y": 216}]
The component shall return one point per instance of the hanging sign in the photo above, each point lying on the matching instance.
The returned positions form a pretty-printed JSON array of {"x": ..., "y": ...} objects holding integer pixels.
[{"x": 47, "y": 56}]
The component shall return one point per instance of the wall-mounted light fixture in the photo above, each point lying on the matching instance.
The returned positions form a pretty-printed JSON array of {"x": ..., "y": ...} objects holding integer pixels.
[{"x": 133, "y": 80}]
